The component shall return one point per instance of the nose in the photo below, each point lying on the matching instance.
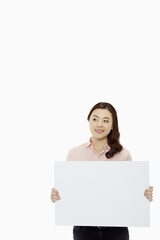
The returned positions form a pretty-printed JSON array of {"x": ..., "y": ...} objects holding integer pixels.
[{"x": 99, "y": 123}]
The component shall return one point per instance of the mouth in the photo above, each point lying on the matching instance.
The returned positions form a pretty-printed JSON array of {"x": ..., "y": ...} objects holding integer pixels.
[{"x": 99, "y": 131}]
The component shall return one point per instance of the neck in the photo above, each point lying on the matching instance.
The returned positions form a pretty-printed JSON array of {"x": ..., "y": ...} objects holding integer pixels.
[{"x": 98, "y": 144}]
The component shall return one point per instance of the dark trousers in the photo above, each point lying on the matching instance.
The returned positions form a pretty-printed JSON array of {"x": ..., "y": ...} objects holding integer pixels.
[{"x": 102, "y": 233}]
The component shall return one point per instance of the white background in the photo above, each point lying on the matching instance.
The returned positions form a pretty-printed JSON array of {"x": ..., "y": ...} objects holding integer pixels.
[{"x": 57, "y": 60}]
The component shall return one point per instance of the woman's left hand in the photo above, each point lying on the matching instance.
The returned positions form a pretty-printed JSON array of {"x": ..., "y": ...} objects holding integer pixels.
[{"x": 149, "y": 193}]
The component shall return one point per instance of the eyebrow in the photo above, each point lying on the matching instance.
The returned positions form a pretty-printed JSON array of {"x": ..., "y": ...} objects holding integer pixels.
[{"x": 97, "y": 116}]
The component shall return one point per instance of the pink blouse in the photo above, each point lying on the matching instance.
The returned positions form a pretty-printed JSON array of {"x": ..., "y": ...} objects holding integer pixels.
[{"x": 85, "y": 152}]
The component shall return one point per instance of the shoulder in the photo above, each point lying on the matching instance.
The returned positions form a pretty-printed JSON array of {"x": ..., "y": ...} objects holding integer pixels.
[
  {"x": 77, "y": 148},
  {"x": 123, "y": 155},
  {"x": 74, "y": 152},
  {"x": 126, "y": 154}
]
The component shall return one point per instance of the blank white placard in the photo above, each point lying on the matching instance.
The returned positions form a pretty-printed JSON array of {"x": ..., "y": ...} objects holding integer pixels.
[{"x": 106, "y": 193}]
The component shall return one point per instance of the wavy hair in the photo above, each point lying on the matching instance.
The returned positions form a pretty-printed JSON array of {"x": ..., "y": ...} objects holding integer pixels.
[{"x": 114, "y": 135}]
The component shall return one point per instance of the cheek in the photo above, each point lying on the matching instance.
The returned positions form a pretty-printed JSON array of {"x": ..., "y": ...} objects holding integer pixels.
[
  {"x": 92, "y": 128},
  {"x": 110, "y": 125},
  {"x": 108, "y": 128},
  {"x": 92, "y": 125}
]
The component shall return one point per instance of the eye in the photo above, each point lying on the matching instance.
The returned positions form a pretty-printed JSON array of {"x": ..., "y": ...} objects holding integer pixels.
[
  {"x": 94, "y": 119},
  {"x": 106, "y": 121}
]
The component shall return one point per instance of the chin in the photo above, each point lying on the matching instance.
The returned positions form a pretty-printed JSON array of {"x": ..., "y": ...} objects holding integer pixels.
[{"x": 100, "y": 137}]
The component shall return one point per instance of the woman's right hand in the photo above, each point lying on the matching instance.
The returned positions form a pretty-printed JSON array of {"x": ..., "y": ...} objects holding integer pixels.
[{"x": 55, "y": 195}]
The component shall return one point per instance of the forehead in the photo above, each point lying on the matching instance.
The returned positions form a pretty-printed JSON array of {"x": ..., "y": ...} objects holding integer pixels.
[{"x": 102, "y": 113}]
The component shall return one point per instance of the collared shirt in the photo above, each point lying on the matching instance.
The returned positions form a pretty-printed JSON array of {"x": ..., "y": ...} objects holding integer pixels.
[{"x": 85, "y": 152}]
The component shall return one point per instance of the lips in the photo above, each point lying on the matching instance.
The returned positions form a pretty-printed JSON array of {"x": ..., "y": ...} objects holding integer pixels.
[{"x": 99, "y": 131}]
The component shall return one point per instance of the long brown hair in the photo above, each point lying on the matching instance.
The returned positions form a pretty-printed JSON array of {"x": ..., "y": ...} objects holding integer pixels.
[{"x": 114, "y": 135}]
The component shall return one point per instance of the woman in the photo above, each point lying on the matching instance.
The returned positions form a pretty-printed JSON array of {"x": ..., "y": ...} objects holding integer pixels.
[{"x": 104, "y": 145}]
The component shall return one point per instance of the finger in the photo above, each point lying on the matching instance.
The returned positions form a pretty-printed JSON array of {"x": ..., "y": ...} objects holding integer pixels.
[
  {"x": 54, "y": 190},
  {"x": 54, "y": 199},
  {"x": 55, "y": 195},
  {"x": 147, "y": 195},
  {"x": 150, "y": 198},
  {"x": 150, "y": 188},
  {"x": 148, "y": 191}
]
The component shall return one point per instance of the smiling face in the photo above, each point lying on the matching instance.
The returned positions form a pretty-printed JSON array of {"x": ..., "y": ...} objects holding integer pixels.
[{"x": 100, "y": 123}]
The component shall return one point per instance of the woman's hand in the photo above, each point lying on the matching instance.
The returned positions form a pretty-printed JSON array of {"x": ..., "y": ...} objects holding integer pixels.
[
  {"x": 55, "y": 195},
  {"x": 148, "y": 193}
]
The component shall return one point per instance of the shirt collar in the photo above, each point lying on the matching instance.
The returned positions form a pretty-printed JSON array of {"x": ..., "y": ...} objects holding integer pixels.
[{"x": 89, "y": 144}]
